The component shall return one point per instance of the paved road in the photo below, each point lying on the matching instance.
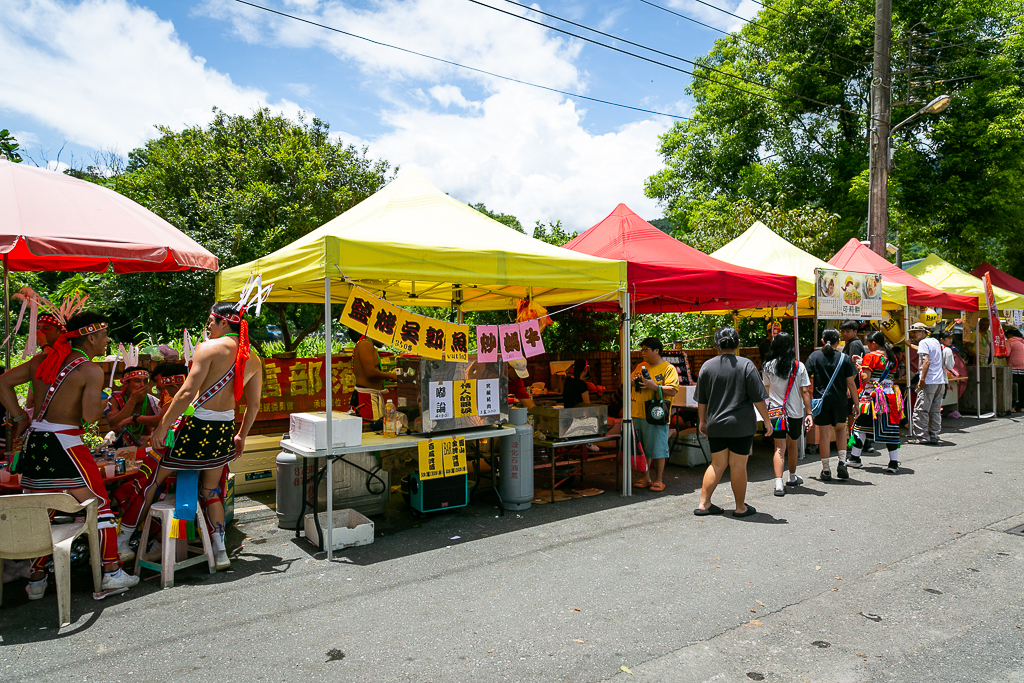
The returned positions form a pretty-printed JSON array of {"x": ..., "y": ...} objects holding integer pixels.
[{"x": 909, "y": 577}]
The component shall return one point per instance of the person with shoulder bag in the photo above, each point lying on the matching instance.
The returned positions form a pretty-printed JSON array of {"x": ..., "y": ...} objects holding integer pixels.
[
  {"x": 832, "y": 376},
  {"x": 655, "y": 382},
  {"x": 789, "y": 405}
]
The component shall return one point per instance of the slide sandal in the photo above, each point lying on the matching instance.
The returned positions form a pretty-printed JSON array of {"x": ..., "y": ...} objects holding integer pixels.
[
  {"x": 657, "y": 486},
  {"x": 713, "y": 510},
  {"x": 746, "y": 513}
]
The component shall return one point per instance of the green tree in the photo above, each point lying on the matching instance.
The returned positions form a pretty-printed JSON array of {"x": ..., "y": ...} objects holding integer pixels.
[
  {"x": 958, "y": 185},
  {"x": 503, "y": 218},
  {"x": 9, "y": 146},
  {"x": 243, "y": 187},
  {"x": 552, "y": 233}
]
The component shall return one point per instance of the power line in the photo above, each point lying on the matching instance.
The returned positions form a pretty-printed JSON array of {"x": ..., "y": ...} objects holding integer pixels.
[
  {"x": 758, "y": 24},
  {"x": 654, "y": 61},
  {"x": 461, "y": 66}
]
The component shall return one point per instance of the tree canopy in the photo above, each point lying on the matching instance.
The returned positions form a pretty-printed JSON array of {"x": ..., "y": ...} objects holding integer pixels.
[
  {"x": 789, "y": 142},
  {"x": 243, "y": 187}
]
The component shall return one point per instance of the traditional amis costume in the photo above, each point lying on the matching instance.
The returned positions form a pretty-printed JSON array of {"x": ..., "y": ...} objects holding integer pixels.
[
  {"x": 53, "y": 457},
  {"x": 880, "y": 408},
  {"x": 203, "y": 439}
]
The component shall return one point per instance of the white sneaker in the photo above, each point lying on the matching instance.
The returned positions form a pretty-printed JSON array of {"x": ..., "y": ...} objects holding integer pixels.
[
  {"x": 220, "y": 560},
  {"x": 36, "y": 592},
  {"x": 112, "y": 585}
]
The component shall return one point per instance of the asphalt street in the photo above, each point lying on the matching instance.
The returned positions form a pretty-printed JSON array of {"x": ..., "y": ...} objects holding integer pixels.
[{"x": 908, "y": 577}]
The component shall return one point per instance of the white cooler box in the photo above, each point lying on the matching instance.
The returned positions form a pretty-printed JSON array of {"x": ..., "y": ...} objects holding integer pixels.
[
  {"x": 350, "y": 529},
  {"x": 309, "y": 430}
]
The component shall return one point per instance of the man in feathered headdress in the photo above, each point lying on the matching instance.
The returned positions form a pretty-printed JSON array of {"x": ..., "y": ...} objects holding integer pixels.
[
  {"x": 68, "y": 389},
  {"x": 133, "y": 412},
  {"x": 202, "y": 413}
]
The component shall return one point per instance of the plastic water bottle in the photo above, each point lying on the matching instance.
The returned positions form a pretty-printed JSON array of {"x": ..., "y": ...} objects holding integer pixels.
[{"x": 390, "y": 420}]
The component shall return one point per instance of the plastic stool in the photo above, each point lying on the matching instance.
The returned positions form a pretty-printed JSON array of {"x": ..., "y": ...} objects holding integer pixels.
[{"x": 173, "y": 554}]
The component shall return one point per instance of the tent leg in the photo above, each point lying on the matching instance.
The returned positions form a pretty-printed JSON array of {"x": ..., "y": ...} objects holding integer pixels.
[
  {"x": 977, "y": 362},
  {"x": 329, "y": 409},
  {"x": 7, "y": 345},
  {"x": 802, "y": 441},
  {"x": 627, "y": 413},
  {"x": 906, "y": 355}
]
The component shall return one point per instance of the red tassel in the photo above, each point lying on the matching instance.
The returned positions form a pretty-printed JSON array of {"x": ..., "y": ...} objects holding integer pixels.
[
  {"x": 241, "y": 357},
  {"x": 50, "y": 367}
]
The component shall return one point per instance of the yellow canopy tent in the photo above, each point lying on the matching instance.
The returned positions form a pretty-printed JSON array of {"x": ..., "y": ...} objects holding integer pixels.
[
  {"x": 947, "y": 277},
  {"x": 762, "y": 249},
  {"x": 415, "y": 246}
]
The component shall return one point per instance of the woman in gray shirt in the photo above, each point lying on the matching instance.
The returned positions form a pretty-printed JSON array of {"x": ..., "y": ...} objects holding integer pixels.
[{"x": 729, "y": 389}]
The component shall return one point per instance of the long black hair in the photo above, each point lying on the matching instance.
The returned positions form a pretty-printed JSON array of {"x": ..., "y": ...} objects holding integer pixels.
[
  {"x": 879, "y": 338},
  {"x": 782, "y": 353},
  {"x": 829, "y": 338}
]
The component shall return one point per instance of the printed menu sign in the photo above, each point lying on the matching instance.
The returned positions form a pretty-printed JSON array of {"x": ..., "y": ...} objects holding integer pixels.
[{"x": 844, "y": 295}]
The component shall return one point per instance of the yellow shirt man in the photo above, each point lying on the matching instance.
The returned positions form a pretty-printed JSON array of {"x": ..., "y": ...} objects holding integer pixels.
[{"x": 664, "y": 373}]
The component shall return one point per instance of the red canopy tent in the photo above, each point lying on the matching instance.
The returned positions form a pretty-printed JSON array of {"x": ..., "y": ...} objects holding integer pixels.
[
  {"x": 999, "y": 278},
  {"x": 856, "y": 257},
  {"x": 665, "y": 275},
  {"x": 52, "y": 221}
]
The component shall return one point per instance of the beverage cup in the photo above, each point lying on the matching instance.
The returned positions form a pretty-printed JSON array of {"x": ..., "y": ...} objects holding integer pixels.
[{"x": 110, "y": 470}]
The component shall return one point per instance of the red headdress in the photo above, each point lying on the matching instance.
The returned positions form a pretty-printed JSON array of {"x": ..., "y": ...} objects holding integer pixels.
[
  {"x": 253, "y": 295},
  {"x": 54, "y": 361}
]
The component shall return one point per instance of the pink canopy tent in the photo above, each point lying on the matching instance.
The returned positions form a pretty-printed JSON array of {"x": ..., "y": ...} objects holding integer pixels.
[
  {"x": 858, "y": 258},
  {"x": 665, "y": 275},
  {"x": 52, "y": 221},
  {"x": 999, "y": 278}
]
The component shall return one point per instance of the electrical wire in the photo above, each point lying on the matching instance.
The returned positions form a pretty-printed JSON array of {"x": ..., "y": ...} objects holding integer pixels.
[
  {"x": 654, "y": 61},
  {"x": 759, "y": 25},
  {"x": 461, "y": 66}
]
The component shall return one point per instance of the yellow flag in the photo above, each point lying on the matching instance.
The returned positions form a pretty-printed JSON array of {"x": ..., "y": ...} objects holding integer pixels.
[
  {"x": 360, "y": 310},
  {"x": 457, "y": 343},
  {"x": 408, "y": 332},
  {"x": 435, "y": 338},
  {"x": 384, "y": 322}
]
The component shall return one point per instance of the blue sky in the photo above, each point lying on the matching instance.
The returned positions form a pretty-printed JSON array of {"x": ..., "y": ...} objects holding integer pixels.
[{"x": 100, "y": 74}]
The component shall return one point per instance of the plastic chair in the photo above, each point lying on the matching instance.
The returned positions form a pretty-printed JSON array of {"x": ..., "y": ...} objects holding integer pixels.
[
  {"x": 173, "y": 552},
  {"x": 26, "y": 533}
]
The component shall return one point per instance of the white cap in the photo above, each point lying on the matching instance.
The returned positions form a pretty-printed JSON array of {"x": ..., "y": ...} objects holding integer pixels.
[{"x": 520, "y": 367}]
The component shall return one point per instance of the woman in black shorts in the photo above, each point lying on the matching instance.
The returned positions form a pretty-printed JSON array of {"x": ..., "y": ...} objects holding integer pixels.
[
  {"x": 789, "y": 391},
  {"x": 728, "y": 390},
  {"x": 822, "y": 365}
]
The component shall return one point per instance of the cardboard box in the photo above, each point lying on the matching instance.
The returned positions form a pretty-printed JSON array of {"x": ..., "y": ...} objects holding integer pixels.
[
  {"x": 310, "y": 430},
  {"x": 350, "y": 529},
  {"x": 256, "y": 469}
]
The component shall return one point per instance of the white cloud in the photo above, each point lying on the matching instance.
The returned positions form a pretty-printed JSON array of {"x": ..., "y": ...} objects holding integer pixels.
[
  {"x": 528, "y": 154},
  {"x": 517, "y": 149},
  {"x": 25, "y": 138},
  {"x": 104, "y": 72},
  {"x": 744, "y": 8}
]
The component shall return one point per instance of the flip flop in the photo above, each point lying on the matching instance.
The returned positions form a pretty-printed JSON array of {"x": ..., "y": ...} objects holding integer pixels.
[
  {"x": 657, "y": 486},
  {"x": 713, "y": 510},
  {"x": 641, "y": 484},
  {"x": 747, "y": 513}
]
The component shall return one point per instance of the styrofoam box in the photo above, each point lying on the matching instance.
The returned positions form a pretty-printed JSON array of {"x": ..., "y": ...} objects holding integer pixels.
[
  {"x": 310, "y": 430},
  {"x": 350, "y": 529}
]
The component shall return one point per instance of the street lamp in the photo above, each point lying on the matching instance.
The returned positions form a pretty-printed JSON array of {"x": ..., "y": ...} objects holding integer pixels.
[{"x": 936, "y": 106}]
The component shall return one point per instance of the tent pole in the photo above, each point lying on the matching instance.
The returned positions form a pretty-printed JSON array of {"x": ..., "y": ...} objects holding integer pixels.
[
  {"x": 626, "y": 430},
  {"x": 802, "y": 441},
  {"x": 7, "y": 346},
  {"x": 977, "y": 361},
  {"x": 329, "y": 412},
  {"x": 906, "y": 356}
]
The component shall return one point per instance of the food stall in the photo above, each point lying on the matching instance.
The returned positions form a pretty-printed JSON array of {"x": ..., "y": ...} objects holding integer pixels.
[{"x": 412, "y": 245}]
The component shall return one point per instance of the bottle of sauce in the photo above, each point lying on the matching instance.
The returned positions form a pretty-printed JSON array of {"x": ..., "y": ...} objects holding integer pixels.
[{"x": 390, "y": 420}]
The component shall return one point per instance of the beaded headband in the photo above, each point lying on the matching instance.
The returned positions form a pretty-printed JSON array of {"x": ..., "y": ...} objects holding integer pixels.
[
  {"x": 51, "y": 319},
  {"x": 133, "y": 374},
  {"x": 86, "y": 331},
  {"x": 169, "y": 381}
]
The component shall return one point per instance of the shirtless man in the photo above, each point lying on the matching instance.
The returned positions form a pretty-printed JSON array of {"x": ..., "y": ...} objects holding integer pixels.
[
  {"x": 207, "y": 440},
  {"x": 366, "y": 400},
  {"x": 68, "y": 389}
]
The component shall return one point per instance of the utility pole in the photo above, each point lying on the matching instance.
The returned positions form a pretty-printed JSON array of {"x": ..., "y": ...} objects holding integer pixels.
[{"x": 881, "y": 99}]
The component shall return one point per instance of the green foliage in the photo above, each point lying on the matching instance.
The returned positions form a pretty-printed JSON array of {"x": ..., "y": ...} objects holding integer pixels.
[
  {"x": 552, "y": 233},
  {"x": 243, "y": 187},
  {"x": 9, "y": 146},
  {"x": 503, "y": 218},
  {"x": 958, "y": 185}
]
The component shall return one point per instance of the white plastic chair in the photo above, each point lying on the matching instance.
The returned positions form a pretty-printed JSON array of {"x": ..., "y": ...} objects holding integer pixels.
[{"x": 26, "y": 533}]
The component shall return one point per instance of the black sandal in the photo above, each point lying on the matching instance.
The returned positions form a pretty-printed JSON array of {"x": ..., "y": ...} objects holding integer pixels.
[
  {"x": 746, "y": 513},
  {"x": 713, "y": 510}
]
